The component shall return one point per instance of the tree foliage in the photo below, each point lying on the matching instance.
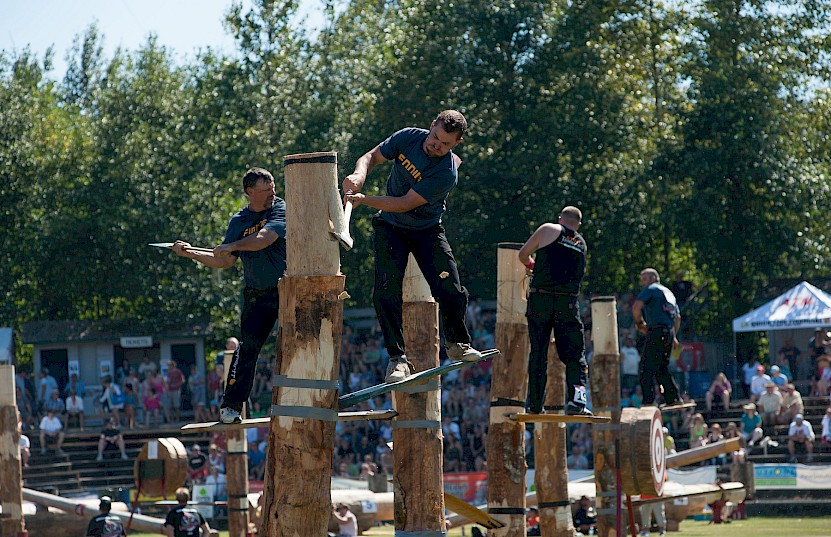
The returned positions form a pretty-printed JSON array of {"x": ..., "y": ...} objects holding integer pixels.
[{"x": 694, "y": 137}]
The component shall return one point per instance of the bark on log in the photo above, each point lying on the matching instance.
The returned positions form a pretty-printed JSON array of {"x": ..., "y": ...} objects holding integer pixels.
[
  {"x": 505, "y": 445},
  {"x": 551, "y": 475},
  {"x": 11, "y": 478},
  {"x": 299, "y": 458},
  {"x": 417, "y": 468},
  {"x": 605, "y": 402}
]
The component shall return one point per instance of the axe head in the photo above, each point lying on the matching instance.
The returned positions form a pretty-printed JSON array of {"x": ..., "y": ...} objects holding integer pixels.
[{"x": 343, "y": 238}]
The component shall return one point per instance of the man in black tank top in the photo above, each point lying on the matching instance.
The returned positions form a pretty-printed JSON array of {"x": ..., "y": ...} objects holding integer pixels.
[{"x": 552, "y": 305}]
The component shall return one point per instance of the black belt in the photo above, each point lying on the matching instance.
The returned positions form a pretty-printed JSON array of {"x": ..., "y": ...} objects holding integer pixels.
[
  {"x": 659, "y": 327},
  {"x": 547, "y": 292}
]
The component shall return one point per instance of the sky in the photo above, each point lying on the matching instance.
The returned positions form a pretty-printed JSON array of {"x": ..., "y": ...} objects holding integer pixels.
[{"x": 182, "y": 25}]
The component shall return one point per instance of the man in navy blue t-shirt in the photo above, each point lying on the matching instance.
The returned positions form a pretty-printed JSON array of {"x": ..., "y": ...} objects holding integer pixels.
[
  {"x": 257, "y": 235},
  {"x": 658, "y": 317},
  {"x": 424, "y": 171}
]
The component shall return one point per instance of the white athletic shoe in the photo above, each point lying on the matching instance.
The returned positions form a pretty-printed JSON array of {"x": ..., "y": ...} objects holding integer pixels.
[
  {"x": 398, "y": 369},
  {"x": 229, "y": 415},
  {"x": 463, "y": 352}
]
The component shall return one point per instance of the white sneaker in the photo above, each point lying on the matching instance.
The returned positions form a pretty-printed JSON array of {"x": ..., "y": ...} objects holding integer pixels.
[
  {"x": 463, "y": 352},
  {"x": 398, "y": 369},
  {"x": 99, "y": 458},
  {"x": 229, "y": 415}
]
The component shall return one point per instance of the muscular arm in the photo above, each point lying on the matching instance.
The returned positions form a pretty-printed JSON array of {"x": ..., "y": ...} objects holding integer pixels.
[
  {"x": 543, "y": 236},
  {"x": 390, "y": 204},
  {"x": 354, "y": 182},
  {"x": 208, "y": 259},
  {"x": 252, "y": 243}
]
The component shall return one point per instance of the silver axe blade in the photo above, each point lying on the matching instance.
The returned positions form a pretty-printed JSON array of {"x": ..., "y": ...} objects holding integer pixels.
[
  {"x": 170, "y": 245},
  {"x": 339, "y": 219}
]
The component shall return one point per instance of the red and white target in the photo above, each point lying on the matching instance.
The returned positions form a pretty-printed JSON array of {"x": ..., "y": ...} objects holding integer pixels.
[{"x": 657, "y": 453}]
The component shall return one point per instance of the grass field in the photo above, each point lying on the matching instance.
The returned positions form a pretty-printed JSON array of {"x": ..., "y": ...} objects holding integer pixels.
[{"x": 752, "y": 527}]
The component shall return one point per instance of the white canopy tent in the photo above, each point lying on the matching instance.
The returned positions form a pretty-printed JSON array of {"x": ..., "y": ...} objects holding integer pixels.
[{"x": 795, "y": 314}]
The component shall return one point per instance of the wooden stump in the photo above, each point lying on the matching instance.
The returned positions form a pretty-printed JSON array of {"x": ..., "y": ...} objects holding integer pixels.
[
  {"x": 605, "y": 391},
  {"x": 417, "y": 476},
  {"x": 505, "y": 446},
  {"x": 161, "y": 467},
  {"x": 551, "y": 475},
  {"x": 11, "y": 488},
  {"x": 236, "y": 466},
  {"x": 302, "y": 430}
]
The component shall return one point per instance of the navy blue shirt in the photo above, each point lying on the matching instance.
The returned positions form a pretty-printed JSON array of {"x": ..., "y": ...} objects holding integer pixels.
[
  {"x": 431, "y": 178},
  {"x": 265, "y": 267},
  {"x": 659, "y": 306}
]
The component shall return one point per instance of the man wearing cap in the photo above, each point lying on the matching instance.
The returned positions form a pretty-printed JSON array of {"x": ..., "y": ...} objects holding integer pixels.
[
  {"x": 111, "y": 435},
  {"x": 801, "y": 432},
  {"x": 791, "y": 403},
  {"x": 777, "y": 377},
  {"x": 197, "y": 464},
  {"x": 789, "y": 354},
  {"x": 658, "y": 317},
  {"x": 185, "y": 521},
  {"x": 347, "y": 522},
  {"x": 757, "y": 383},
  {"x": 104, "y": 524},
  {"x": 558, "y": 269},
  {"x": 770, "y": 404}
]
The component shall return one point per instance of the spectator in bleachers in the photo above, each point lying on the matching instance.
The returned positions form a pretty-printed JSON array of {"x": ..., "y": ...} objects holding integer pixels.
[
  {"x": 629, "y": 363},
  {"x": 822, "y": 379},
  {"x": 368, "y": 468},
  {"x": 826, "y": 427},
  {"x": 112, "y": 398},
  {"x": 790, "y": 355},
  {"x": 777, "y": 377},
  {"x": 218, "y": 482},
  {"x": 256, "y": 461},
  {"x": 173, "y": 383},
  {"x": 24, "y": 407},
  {"x": 698, "y": 431},
  {"x": 198, "y": 465},
  {"x": 54, "y": 403},
  {"x": 757, "y": 383},
  {"x": 111, "y": 435},
  {"x": 216, "y": 458},
  {"x": 577, "y": 461},
  {"x": 669, "y": 442},
  {"x": 585, "y": 518},
  {"x": 75, "y": 384},
  {"x": 637, "y": 397},
  {"x": 732, "y": 431},
  {"x": 749, "y": 370},
  {"x": 24, "y": 445},
  {"x": 817, "y": 345},
  {"x": 74, "y": 409},
  {"x": 715, "y": 436},
  {"x": 196, "y": 386},
  {"x": 152, "y": 404},
  {"x": 46, "y": 385},
  {"x": 719, "y": 390},
  {"x": 453, "y": 455},
  {"x": 770, "y": 404},
  {"x": 791, "y": 404},
  {"x": 476, "y": 445},
  {"x": 751, "y": 424},
  {"x": 801, "y": 432},
  {"x": 146, "y": 366},
  {"x": 131, "y": 402}
]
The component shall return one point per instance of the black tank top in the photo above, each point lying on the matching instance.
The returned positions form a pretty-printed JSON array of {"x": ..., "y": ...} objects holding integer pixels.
[{"x": 559, "y": 266}]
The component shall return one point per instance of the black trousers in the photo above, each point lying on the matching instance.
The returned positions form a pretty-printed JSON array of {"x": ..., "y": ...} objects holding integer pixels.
[
  {"x": 393, "y": 245},
  {"x": 259, "y": 314},
  {"x": 560, "y": 314},
  {"x": 654, "y": 365}
]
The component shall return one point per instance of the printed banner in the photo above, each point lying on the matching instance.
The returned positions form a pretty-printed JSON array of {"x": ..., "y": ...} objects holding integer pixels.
[
  {"x": 705, "y": 475},
  {"x": 471, "y": 487},
  {"x": 792, "y": 476}
]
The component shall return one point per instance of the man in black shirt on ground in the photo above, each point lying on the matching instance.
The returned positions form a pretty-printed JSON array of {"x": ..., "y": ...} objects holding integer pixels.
[
  {"x": 184, "y": 521},
  {"x": 552, "y": 305},
  {"x": 104, "y": 524}
]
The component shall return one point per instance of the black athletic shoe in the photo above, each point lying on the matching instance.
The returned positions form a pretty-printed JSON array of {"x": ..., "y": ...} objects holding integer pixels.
[{"x": 573, "y": 409}]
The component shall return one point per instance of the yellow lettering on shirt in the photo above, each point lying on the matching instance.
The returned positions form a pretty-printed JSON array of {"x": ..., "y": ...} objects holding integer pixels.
[
  {"x": 254, "y": 229},
  {"x": 410, "y": 167}
]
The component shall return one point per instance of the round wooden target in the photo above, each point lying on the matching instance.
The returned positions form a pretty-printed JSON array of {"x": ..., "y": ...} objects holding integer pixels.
[
  {"x": 642, "y": 451},
  {"x": 161, "y": 467}
]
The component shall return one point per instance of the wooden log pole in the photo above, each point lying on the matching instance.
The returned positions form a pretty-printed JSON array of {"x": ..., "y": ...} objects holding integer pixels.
[
  {"x": 305, "y": 404},
  {"x": 551, "y": 472},
  {"x": 236, "y": 467},
  {"x": 505, "y": 445},
  {"x": 417, "y": 468},
  {"x": 11, "y": 477},
  {"x": 605, "y": 394}
]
